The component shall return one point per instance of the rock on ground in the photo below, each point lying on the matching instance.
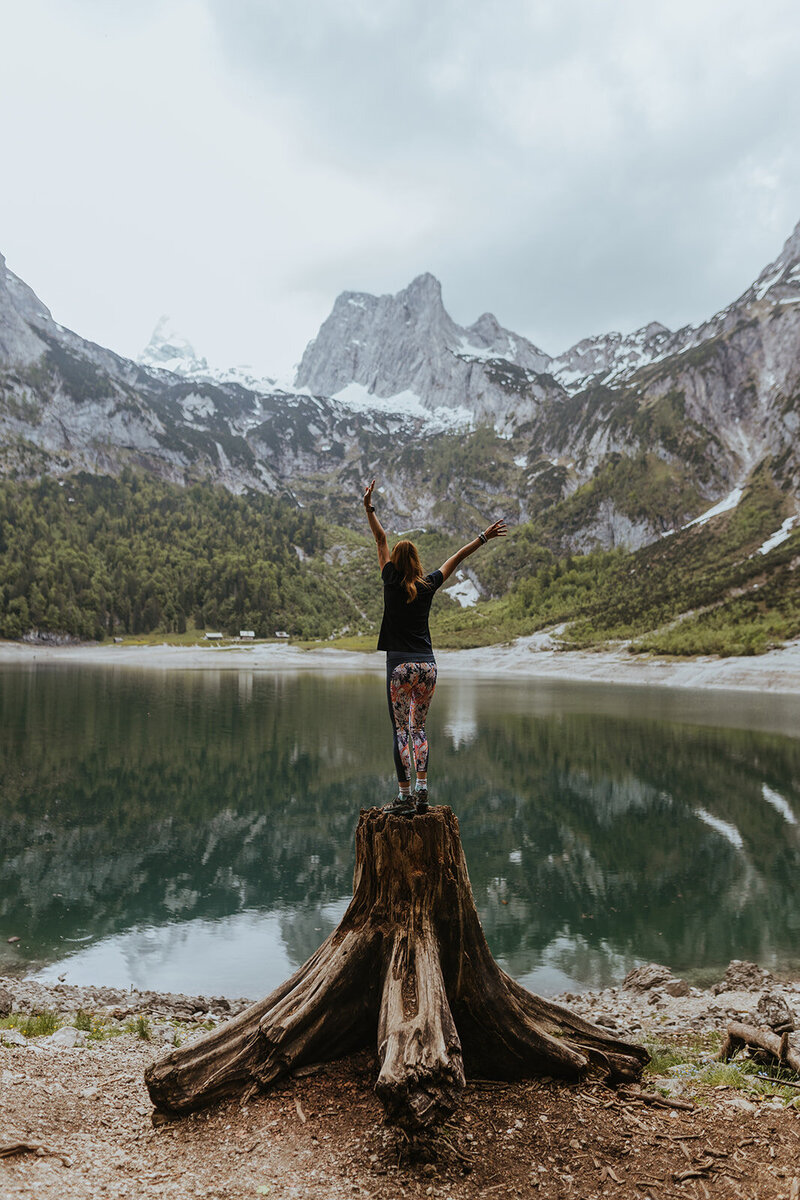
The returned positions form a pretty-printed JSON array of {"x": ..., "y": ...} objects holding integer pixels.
[{"x": 83, "y": 1127}]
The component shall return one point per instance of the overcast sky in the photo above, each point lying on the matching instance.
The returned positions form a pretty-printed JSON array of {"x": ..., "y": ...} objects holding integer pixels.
[{"x": 573, "y": 166}]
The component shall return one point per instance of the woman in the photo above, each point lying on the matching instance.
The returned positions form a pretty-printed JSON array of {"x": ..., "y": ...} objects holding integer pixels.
[{"x": 410, "y": 663}]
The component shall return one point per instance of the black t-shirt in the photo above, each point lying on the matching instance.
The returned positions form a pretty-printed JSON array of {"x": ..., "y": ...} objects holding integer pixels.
[{"x": 405, "y": 626}]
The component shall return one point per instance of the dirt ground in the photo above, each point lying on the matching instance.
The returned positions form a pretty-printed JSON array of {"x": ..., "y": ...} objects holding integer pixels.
[{"x": 86, "y": 1115}]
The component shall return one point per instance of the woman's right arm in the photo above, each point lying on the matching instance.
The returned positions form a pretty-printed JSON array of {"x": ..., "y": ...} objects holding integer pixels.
[
  {"x": 376, "y": 527},
  {"x": 496, "y": 530}
]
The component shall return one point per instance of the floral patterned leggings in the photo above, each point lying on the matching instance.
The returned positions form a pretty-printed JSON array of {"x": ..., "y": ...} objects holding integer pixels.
[{"x": 409, "y": 690}]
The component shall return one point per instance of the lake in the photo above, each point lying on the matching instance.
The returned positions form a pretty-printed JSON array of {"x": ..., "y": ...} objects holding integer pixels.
[{"x": 192, "y": 831}]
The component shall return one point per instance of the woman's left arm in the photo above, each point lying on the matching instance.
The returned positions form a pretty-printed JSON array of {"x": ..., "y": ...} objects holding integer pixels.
[
  {"x": 494, "y": 531},
  {"x": 376, "y": 527}
]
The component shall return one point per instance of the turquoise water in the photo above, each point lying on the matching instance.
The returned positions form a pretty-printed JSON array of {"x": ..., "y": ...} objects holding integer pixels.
[{"x": 193, "y": 831}]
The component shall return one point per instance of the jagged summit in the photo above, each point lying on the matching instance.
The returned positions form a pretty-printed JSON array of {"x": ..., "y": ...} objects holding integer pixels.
[
  {"x": 488, "y": 335},
  {"x": 487, "y": 327},
  {"x": 171, "y": 351},
  {"x": 781, "y": 278},
  {"x": 610, "y": 356},
  {"x": 654, "y": 328},
  {"x": 711, "y": 401},
  {"x": 424, "y": 286},
  {"x": 408, "y": 343},
  {"x": 791, "y": 247}
]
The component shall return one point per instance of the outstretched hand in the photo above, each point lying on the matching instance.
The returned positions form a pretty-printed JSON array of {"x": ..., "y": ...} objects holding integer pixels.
[
  {"x": 368, "y": 493},
  {"x": 496, "y": 530}
]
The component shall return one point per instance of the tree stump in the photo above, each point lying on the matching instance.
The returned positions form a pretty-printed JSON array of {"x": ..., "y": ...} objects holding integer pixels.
[{"x": 409, "y": 962}]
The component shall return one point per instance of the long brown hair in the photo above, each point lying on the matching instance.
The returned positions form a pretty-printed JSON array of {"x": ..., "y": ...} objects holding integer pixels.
[{"x": 406, "y": 561}]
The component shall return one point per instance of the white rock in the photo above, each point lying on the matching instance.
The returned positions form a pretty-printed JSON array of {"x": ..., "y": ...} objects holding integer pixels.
[
  {"x": 740, "y": 1103},
  {"x": 65, "y": 1038},
  {"x": 12, "y": 1037}
]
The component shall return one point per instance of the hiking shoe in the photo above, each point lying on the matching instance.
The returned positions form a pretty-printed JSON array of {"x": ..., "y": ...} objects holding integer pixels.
[
  {"x": 421, "y": 800},
  {"x": 401, "y": 806}
]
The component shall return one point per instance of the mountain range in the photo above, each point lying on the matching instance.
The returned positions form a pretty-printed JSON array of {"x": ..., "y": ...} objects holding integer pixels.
[{"x": 615, "y": 442}]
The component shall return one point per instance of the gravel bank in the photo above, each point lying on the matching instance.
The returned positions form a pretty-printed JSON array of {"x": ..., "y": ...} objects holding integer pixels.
[{"x": 77, "y": 1124}]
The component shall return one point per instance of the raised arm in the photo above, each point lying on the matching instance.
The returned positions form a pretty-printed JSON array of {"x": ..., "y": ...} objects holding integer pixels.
[
  {"x": 494, "y": 531},
  {"x": 376, "y": 527}
]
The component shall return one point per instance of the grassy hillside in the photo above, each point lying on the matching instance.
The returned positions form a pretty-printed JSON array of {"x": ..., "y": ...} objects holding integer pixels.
[
  {"x": 703, "y": 590},
  {"x": 95, "y": 556}
]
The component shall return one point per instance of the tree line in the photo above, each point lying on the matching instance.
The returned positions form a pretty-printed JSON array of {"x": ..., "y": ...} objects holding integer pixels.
[{"x": 93, "y": 556}]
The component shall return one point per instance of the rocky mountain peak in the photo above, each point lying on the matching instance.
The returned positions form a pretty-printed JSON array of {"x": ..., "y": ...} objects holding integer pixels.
[
  {"x": 487, "y": 327},
  {"x": 790, "y": 253},
  {"x": 424, "y": 289},
  {"x": 781, "y": 278},
  {"x": 170, "y": 350},
  {"x": 387, "y": 344},
  {"x": 488, "y": 337},
  {"x": 654, "y": 329},
  {"x": 611, "y": 355},
  {"x": 392, "y": 345}
]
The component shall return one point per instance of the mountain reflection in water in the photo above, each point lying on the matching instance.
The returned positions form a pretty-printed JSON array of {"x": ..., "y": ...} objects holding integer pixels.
[{"x": 193, "y": 831}]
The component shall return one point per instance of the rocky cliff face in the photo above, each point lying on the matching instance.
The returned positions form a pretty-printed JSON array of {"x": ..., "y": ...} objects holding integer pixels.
[
  {"x": 20, "y": 312},
  {"x": 710, "y": 402},
  {"x": 723, "y": 395},
  {"x": 611, "y": 356},
  {"x": 456, "y": 421},
  {"x": 407, "y": 343},
  {"x": 66, "y": 405}
]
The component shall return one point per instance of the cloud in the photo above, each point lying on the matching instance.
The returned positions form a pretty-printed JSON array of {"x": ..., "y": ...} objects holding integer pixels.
[
  {"x": 572, "y": 166},
  {"x": 589, "y": 165}
]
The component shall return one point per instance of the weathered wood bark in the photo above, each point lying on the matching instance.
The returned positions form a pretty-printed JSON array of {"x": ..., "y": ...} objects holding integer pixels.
[
  {"x": 776, "y": 1044},
  {"x": 409, "y": 962}
]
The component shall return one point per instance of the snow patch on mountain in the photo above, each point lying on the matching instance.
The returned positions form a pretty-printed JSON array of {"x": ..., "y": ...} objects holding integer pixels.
[
  {"x": 611, "y": 357},
  {"x": 723, "y": 828},
  {"x": 464, "y": 591},
  {"x": 780, "y": 535},
  {"x": 405, "y": 404},
  {"x": 725, "y": 505},
  {"x": 778, "y": 803},
  {"x": 482, "y": 353}
]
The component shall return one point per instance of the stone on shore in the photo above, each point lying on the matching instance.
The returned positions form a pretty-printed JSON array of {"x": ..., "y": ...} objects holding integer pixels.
[
  {"x": 742, "y": 976},
  {"x": 642, "y": 979}
]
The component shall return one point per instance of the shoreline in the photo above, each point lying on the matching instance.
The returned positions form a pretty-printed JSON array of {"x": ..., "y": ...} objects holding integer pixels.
[
  {"x": 650, "y": 1002},
  {"x": 776, "y": 672}
]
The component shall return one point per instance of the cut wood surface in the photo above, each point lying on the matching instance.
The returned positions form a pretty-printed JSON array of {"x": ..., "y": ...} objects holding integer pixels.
[{"x": 407, "y": 966}]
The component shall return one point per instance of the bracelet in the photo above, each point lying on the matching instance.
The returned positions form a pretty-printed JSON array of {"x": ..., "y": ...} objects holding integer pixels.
[
  {"x": 369, "y": 507},
  {"x": 482, "y": 538}
]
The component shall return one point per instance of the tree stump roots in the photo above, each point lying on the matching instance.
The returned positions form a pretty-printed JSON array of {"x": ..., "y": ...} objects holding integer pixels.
[{"x": 410, "y": 964}]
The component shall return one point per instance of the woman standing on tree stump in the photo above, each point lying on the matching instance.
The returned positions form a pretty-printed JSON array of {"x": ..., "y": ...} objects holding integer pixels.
[{"x": 410, "y": 663}]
